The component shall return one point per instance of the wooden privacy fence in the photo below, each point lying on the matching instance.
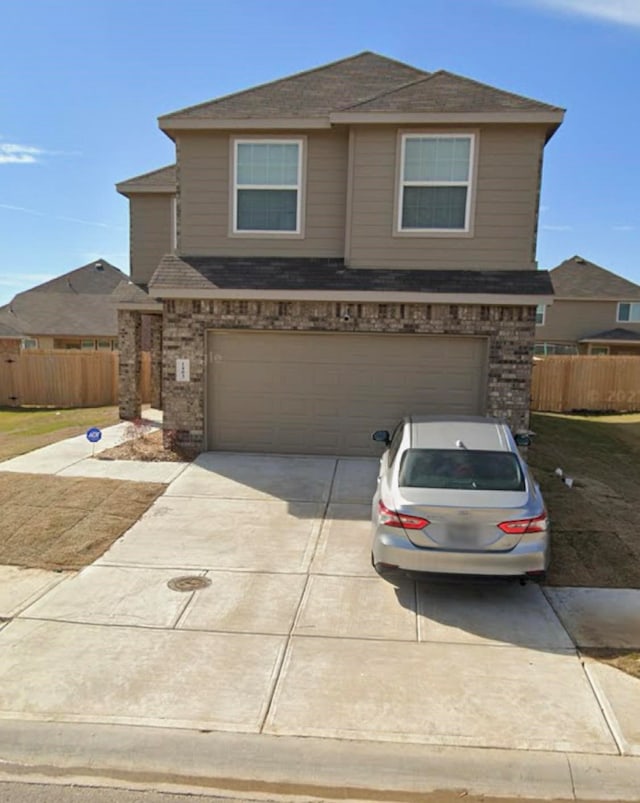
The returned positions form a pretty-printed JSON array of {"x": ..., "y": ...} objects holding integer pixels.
[
  {"x": 565, "y": 383},
  {"x": 70, "y": 378}
]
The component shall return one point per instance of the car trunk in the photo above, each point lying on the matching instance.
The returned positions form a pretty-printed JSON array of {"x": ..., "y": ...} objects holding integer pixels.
[{"x": 465, "y": 520}]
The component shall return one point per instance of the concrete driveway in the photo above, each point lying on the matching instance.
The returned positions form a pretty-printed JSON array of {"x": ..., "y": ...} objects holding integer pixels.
[{"x": 293, "y": 634}]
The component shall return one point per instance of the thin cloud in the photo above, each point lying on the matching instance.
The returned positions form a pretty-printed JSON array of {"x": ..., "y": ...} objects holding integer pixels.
[
  {"x": 15, "y": 153},
  {"x": 65, "y": 218},
  {"x": 623, "y": 228},
  {"x": 623, "y": 12},
  {"x": 12, "y": 153},
  {"x": 549, "y": 227}
]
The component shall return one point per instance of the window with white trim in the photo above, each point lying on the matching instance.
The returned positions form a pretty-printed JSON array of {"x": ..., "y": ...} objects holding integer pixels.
[
  {"x": 267, "y": 176},
  {"x": 435, "y": 182},
  {"x": 540, "y": 314},
  {"x": 597, "y": 351},
  {"x": 629, "y": 311}
]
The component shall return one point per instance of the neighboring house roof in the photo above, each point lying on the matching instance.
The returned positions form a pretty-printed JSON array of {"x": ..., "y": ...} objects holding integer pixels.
[
  {"x": 79, "y": 303},
  {"x": 366, "y": 83},
  {"x": 577, "y": 278},
  {"x": 618, "y": 335},
  {"x": 161, "y": 180},
  {"x": 285, "y": 275}
]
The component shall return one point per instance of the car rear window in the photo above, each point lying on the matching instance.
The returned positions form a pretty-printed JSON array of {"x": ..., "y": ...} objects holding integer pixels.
[{"x": 461, "y": 468}]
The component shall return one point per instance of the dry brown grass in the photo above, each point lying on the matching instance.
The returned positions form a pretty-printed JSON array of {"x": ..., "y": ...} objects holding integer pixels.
[{"x": 49, "y": 522}]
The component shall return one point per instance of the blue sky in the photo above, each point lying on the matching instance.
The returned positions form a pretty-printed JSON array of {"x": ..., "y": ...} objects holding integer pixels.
[{"x": 82, "y": 83}]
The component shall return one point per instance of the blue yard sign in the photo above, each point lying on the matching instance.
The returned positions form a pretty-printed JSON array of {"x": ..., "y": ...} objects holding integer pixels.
[{"x": 94, "y": 435}]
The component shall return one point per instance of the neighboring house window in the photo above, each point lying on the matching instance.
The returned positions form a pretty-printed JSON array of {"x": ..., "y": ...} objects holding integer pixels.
[
  {"x": 87, "y": 344},
  {"x": 435, "y": 185},
  {"x": 540, "y": 313},
  {"x": 267, "y": 186},
  {"x": 629, "y": 311},
  {"x": 29, "y": 343},
  {"x": 104, "y": 345},
  {"x": 596, "y": 350}
]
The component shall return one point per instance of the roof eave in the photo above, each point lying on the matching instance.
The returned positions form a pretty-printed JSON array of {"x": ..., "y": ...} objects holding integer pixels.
[
  {"x": 376, "y": 296},
  {"x": 550, "y": 118},
  {"x": 608, "y": 341},
  {"x": 132, "y": 188},
  {"x": 171, "y": 125}
]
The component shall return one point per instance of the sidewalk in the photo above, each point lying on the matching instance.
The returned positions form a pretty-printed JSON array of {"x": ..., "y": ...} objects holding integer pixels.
[
  {"x": 74, "y": 457},
  {"x": 288, "y": 667}
]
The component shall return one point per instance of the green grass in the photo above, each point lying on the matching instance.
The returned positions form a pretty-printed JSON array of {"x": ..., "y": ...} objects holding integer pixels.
[{"x": 23, "y": 429}]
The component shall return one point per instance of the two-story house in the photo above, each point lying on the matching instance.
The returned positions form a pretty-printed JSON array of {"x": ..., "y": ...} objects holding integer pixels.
[
  {"x": 594, "y": 311},
  {"x": 336, "y": 249}
]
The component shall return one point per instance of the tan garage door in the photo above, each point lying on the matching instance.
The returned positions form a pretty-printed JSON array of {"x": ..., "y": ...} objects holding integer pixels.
[{"x": 326, "y": 393}]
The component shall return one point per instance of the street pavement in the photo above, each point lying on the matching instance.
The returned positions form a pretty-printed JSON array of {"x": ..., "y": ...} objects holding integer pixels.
[{"x": 284, "y": 634}]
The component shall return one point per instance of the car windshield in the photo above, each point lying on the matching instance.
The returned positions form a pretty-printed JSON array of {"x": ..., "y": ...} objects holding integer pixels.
[{"x": 461, "y": 468}]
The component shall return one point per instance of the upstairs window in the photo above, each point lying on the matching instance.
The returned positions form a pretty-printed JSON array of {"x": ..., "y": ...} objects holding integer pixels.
[
  {"x": 629, "y": 311},
  {"x": 267, "y": 186},
  {"x": 435, "y": 186},
  {"x": 540, "y": 314}
]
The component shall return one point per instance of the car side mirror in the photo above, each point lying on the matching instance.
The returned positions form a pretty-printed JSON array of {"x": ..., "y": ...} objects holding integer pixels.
[
  {"x": 523, "y": 439},
  {"x": 382, "y": 436}
]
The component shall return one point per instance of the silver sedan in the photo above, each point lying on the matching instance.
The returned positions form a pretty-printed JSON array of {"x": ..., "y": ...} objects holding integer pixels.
[{"x": 455, "y": 496}]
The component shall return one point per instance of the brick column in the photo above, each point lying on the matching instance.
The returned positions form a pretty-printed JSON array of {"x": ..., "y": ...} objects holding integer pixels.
[
  {"x": 156, "y": 361},
  {"x": 130, "y": 340}
]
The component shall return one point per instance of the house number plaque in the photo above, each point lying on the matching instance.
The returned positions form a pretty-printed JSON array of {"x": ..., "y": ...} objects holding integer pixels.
[{"x": 182, "y": 370}]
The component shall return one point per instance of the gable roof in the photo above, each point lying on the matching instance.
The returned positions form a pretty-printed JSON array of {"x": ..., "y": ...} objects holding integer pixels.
[
  {"x": 578, "y": 278},
  {"x": 79, "y": 303},
  {"x": 364, "y": 84},
  {"x": 161, "y": 180}
]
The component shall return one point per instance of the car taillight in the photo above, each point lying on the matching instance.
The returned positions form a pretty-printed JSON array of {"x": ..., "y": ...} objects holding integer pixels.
[
  {"x": 520, "y": 526},
  {"x": 393, "y": 519}
]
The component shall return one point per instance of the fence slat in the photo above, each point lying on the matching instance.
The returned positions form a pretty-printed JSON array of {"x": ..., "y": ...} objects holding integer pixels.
[
  {"x": 65, "y": 378},
  {"x": 564, "y": 383}
]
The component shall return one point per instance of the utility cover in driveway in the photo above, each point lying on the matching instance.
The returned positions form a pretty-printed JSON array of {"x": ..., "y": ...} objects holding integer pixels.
[{"x": 326, "y": 393}]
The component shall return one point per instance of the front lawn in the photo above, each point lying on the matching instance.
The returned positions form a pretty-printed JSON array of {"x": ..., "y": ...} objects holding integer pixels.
[
  {"x": 596, "y": 540},
  {"x": 49, "y": 522},
  {"x": 23, "y": 429}
]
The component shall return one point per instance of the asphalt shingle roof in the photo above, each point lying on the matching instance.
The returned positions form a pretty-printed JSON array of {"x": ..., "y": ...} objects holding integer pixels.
[
  {"x": 313, "y": 93},
  {"x": 228, "y": 273},
  {"x": 615, "y": 334},
  {"x": 364, "y": 82},
  {"x": 161, "y": 178},
  {"x": 81, "y": 302},
  {"x": 443, "y": 91},
  {"x": 578, "y": 278}
]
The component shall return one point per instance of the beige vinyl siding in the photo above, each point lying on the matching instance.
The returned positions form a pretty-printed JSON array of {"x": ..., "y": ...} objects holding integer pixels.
[
  {"x": 206, "y": 201},
  {"x": 570, "y": 321},
  {"x": 503, "y": 213},
  {"x": 152, "y": 226}
]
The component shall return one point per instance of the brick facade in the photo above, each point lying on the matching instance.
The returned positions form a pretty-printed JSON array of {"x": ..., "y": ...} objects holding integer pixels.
[
  {"x": 510, "y": 331},
  {"x": 130, "y": 344}
]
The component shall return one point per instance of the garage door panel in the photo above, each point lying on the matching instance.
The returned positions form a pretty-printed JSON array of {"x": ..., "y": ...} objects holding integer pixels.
[{"x": 326, "y": 393}]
